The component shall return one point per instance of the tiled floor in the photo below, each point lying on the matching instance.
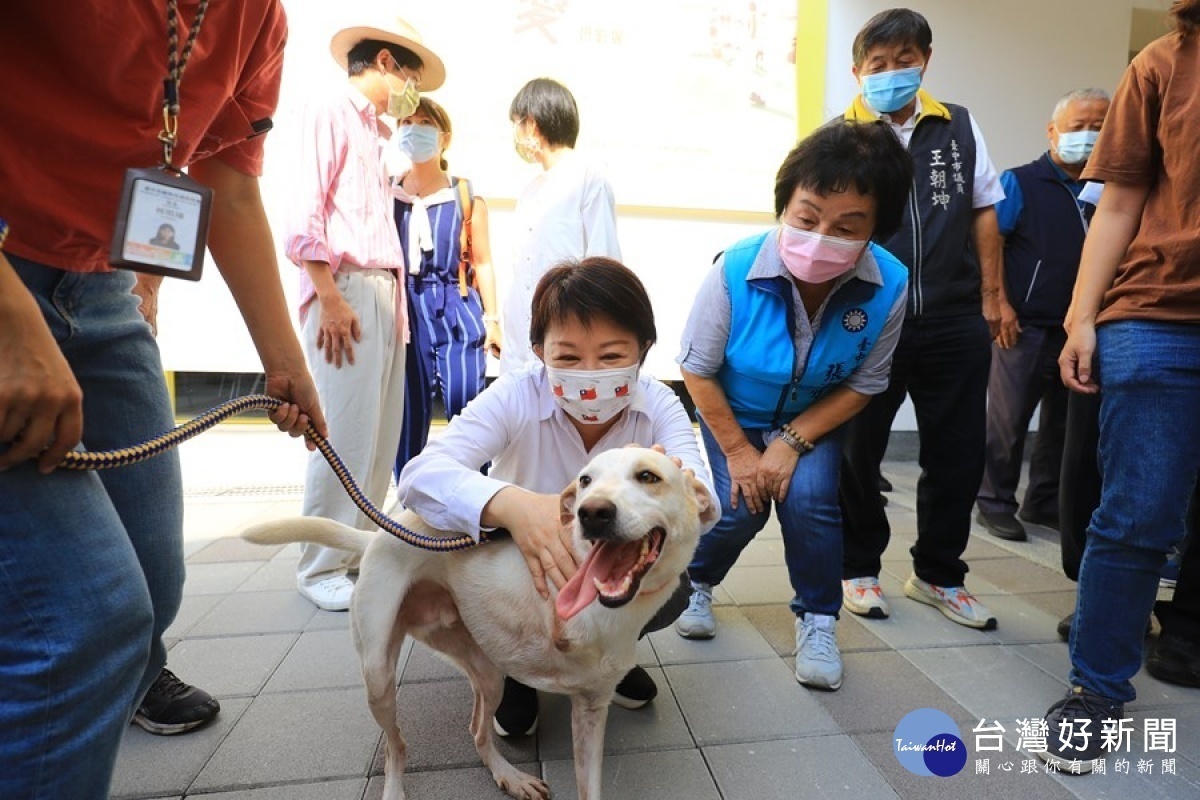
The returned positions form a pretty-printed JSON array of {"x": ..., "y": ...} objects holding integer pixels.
[{"x": 730, "y": 721}]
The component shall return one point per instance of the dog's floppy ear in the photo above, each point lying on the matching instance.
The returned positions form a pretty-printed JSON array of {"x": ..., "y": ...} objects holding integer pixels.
[
  {"x": 566, "y": 503},
  {"x": 709, "y": 511}
]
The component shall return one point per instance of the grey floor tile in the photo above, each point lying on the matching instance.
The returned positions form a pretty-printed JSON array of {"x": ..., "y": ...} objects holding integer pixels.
[
  {"x": 319, "y": 660},
  {"x": 301, "y": 736},
  {"x": 464, "y": 783},
  {"x": 1149, "y": 785},
  {"x": 1019, "y": 575},
  {"x": 758, "y": 585},
  {"x": 193, "y": 609},
  {"x": 990, "y": 682},
  {"x": 434, "y": 719},
  {"x": 276, "y": 575},
  {"x": 327, "y": 620},
  {"x": 657, "y": 726},
  {"x": 667, "y": 775},
  {"x": 320, "y": 790},
  {"x": 736, "y": 640},
  {"x": 425, "y": 664},
  {"x": 762, "y": 553},
  {"x": 149, "y": 765},
  {"x": 232, "y": 548},
  {"x": 255, "y": 612},
  {"x": 206, "y": 662},
  {"x": 879, "y": 689},
  {"x": 217, "y": 578},
  {"x": 1020, "y": 622},
  {"x": 982, "y": 548},
  {"x": 819, "y": 766},
  {"x": 755, "y": 700},
  {"x": 879, "y": 748},
  {"x": 1056, "y": 604}
]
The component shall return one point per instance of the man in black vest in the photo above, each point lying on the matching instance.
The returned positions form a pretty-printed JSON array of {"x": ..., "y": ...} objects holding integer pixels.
[
  {"x": 951, "y": 245},
  {"x": 1043, "y": 221}
]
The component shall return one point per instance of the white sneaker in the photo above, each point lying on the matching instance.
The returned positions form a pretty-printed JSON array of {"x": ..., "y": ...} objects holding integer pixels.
[
  {"x": 330, "y": 594},
  {"x": 955, "y": 603},
  {"x": 864, "y": 596},
  {"x": 697, "y": 621},
  {"x": 818, "y": 661}
]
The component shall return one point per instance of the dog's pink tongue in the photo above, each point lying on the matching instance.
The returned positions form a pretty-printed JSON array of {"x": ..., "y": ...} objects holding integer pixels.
[{"x": 580, "y": 590}]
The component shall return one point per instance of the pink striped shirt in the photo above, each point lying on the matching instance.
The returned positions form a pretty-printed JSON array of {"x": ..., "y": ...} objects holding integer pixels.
[{"x": 342, "y": 209}]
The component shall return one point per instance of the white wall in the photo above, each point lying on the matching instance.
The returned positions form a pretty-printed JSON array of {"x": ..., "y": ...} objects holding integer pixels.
[{"x": 1007, "y": 61}]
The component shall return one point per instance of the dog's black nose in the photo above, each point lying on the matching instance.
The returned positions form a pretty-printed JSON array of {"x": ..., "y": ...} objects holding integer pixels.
[{"x": 596, "y": 517}]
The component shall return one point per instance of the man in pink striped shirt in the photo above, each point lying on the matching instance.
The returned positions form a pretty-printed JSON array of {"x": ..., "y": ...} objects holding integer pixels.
[{"x": 352, "y": 311}]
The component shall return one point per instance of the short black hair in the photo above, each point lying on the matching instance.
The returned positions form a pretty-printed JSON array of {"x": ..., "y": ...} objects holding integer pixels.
[
  {"x": 894, "y": 26},
  {"x": 552, "y": 108},
  {"x": 362, "y": 56},
  {"x": 843, "y": 153},
  {"x": 596, "y": 287}
]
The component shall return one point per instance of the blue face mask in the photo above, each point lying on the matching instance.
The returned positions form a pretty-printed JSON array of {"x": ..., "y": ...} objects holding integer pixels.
[
  {"x": 419, "y": 142},
  {"x": 891, "y": 91},
  {"x": 1074, "y": 147}
]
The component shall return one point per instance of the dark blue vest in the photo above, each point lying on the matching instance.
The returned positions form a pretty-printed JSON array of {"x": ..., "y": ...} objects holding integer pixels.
[
  {"x": 758, "y": 376},
  {"x": 1041, "y": 255}
]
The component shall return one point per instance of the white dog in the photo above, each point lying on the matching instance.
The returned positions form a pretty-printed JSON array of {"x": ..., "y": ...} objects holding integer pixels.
[{"x": 636, "y": 519}]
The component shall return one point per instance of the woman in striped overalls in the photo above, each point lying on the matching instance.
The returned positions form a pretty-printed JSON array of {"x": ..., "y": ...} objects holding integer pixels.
[{"x": 453, "y": 317}]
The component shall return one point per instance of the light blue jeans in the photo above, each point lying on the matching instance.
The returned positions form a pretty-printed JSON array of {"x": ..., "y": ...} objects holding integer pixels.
[
  {"x": 1149, "y": 458},
  {"x": 91, "y": 563},
  {"x": 809, "y": 518}
]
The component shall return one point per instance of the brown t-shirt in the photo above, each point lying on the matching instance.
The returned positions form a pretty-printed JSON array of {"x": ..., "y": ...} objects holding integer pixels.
[
  {"x": 81, "y": 101},
  {"x": 1150, "y": 137}
]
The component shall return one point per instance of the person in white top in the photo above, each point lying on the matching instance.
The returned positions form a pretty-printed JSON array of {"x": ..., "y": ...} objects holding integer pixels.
[
  {"x": 566, "y": 213},
  {"x": 592, "y": 325}
]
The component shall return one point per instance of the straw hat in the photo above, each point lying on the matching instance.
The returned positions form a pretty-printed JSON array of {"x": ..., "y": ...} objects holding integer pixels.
[{"x": 397, "y": 32}]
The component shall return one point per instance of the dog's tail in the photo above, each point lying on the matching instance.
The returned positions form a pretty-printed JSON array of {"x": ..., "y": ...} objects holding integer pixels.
[{"x": 317, "y": 530}]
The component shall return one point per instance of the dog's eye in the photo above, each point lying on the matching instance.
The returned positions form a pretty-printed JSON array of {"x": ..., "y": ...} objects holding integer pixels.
[
  {"x": 646, "y": 476},
  {"x": 584, "y": 481}
]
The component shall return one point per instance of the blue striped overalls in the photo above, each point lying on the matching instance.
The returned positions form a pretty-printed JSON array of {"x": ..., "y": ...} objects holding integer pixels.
[{"x": 445, "y": 351}]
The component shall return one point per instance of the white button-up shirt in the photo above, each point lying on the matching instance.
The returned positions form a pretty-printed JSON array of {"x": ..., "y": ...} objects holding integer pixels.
[
  {"x": 516, "y": 425},
  {"x": 567, "y": 212}
]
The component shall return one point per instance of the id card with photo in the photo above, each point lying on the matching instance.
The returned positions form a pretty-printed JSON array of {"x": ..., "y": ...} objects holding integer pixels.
[{"x": 162, "y": 224}]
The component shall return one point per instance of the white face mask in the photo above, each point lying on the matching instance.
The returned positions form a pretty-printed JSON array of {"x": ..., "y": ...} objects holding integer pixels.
[{"x": 593, "y": 396}]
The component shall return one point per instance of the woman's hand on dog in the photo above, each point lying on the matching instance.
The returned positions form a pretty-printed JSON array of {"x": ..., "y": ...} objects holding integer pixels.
[{"x": 533, "y": 520}]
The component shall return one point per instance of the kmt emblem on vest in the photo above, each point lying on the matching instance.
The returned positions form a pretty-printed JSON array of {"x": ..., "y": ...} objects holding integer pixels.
[{"x": 854, "y": 320}]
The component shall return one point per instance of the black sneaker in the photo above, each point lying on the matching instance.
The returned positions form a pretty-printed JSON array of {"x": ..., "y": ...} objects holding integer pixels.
[
  {"x": 1045, "y": 520},
  {"x": 884, "y": 484},
  {"x": 636, "y": 689},
  {"x": 518, "y": 711},
  {"x": 172, "y": 706},
  {"x": 1175, "y": 660},
  {"x": 1079, "y": 719}
]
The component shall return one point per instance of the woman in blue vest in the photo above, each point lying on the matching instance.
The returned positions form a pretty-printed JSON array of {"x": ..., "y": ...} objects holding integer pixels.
[
  {"x": 790, "y": 335},
  {"x": 452, "y": 311}
]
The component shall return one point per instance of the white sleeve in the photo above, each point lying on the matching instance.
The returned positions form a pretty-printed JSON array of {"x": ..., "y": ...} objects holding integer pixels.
[{"x": 988, "y": 191}]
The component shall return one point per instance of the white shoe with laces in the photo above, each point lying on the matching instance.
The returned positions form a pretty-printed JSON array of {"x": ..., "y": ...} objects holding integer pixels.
[
  {"x": 697, "y": 621},
  {"x": 818, "y": 660},
  {"x": 330, "y": 594}
]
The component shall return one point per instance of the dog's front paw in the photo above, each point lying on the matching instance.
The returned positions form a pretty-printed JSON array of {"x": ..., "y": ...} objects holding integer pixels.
[{"x": 522, "y": 785}]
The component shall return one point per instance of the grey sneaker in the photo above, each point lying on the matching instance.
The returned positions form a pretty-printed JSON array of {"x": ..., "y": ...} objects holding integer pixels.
[
  {"x": 955, "y": 602},
  {"x": 818, "y": 661},
  {"x": 863, "y": 596},
  {"x": 697, "y": 621}
]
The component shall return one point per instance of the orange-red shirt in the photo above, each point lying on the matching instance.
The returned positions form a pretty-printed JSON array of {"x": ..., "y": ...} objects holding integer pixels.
[
  {"x": 1149, "y": 138},
  {"x": 81, "y": 101}
]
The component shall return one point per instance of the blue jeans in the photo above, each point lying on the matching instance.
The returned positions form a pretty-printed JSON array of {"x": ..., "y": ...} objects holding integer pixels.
[
  {"x": 1149, "y": 458},
  {"x": 809, "y": 517},
  {"x": 91, "y": 563}
]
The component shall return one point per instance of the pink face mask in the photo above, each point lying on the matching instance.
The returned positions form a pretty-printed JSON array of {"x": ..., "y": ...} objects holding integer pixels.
[{"x": 814, "y": 258}]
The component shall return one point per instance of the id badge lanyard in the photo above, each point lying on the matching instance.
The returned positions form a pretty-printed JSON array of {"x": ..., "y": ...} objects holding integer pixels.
[{"x": 162, "y": 218}]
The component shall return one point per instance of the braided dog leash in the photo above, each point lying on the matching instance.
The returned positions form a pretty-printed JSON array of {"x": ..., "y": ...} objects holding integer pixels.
[{"x": 107, "y": 459}]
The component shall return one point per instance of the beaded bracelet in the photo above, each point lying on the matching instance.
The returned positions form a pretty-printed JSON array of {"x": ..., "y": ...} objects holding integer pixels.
[
  {"x": 798, "y": 442},
  {"x": 3, "y": 231}
]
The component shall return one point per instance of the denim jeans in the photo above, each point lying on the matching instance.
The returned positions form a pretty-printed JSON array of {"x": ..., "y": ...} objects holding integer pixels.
[
  {"x": 1149, "y": 458},
  {"x": 809, "y": 518},
  {"x": 91, "y": 563}
]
